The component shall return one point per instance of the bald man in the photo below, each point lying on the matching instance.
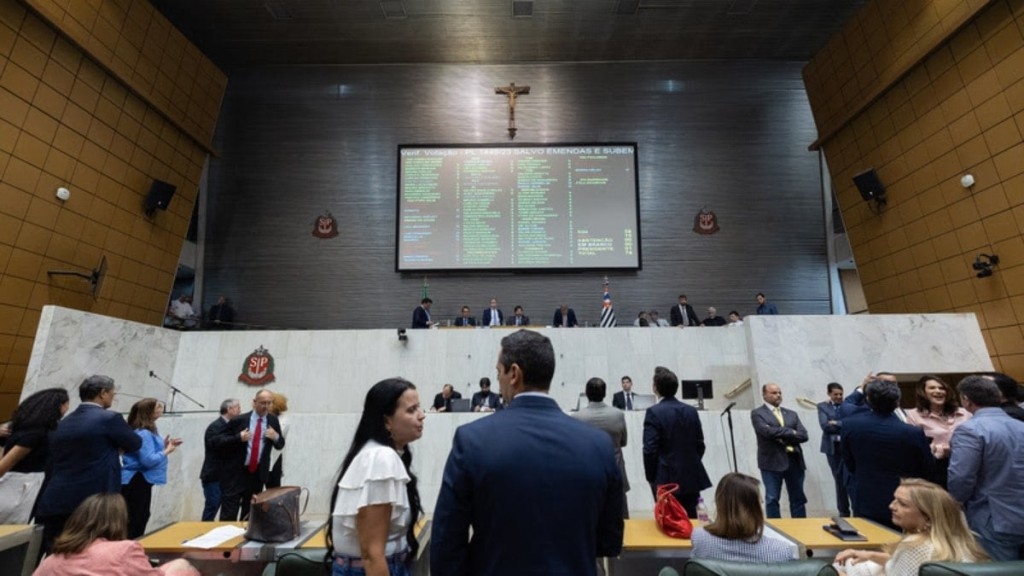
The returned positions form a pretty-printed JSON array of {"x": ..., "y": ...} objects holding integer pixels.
[{"x": 252, "y": 435}]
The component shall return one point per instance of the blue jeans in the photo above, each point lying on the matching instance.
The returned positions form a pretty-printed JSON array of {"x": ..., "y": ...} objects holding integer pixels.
[
  {"x": 793, "y": 476},
  {"x": 211, "y": 493},
  {"x": 395, "y": 568}
]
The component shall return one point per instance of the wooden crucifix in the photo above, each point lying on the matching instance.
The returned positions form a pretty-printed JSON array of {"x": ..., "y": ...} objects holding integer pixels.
[{"x": 511, "y": 91}]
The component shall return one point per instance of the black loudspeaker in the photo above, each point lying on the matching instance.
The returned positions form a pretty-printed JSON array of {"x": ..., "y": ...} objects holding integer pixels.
[
  {"x": 870, "y": 186},
  {"x": 160, "y": 194}
]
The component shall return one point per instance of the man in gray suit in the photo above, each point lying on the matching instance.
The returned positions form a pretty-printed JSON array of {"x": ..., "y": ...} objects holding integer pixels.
[
  {"x": 779, "y": 436},
  {"x": 611, "y": 420}
]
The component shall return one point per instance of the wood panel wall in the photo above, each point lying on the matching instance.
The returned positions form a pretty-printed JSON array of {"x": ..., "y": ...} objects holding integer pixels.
[
  {"x": 957, "y": 109},
  {"x": 728, "y": 136},
  {"x": 100, "y": 97}
]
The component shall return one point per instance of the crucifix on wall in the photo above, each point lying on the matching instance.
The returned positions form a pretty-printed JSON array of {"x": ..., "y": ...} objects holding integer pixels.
[{"x": 511, "y": 91}]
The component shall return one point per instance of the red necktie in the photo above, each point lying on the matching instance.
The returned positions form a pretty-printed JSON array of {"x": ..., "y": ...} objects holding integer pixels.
[{"x": 254, "y": 457}]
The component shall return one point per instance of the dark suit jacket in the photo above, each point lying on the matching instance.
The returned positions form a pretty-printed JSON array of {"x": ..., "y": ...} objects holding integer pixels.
[
  {"x": 675, "y": 316},
  {"x": 878, "y": 451},
  {"x": 85, "y": 458},
  {"x": 235, "y": 451},
  {"x": 460, "y": 321},
  {"x": 711, "y": 321},
  {"x": 487, "y": 317},
  {"x": 218, "y": 451},
  {"x": 854, "y": 403},
  {"x": 223, "y": 313},
  {"x": 505, "y": 475},
  {"x": 674, "y": 446},
  {"x": 511, "y": 321},
  {"x": 569, "y": 322},
  {"x": 619, "y": 400},
  {"x": 826, "y": 412},
  {"x": 493, "y": 400},
  {"x": 772, "y": 439},
  {"x": 420, "y": 318},
  {"x": 440, "y": 402}
]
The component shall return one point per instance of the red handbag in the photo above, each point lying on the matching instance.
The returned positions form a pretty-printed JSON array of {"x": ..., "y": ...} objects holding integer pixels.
[{"x": 672, "y": 519}]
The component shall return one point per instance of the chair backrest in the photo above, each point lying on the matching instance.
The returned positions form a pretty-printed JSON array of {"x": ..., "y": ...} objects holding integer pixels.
[
  {"x": 1014, "y": 568},
  {"x": 301, "y": 564},
  {"x": 813, "y": 567}
]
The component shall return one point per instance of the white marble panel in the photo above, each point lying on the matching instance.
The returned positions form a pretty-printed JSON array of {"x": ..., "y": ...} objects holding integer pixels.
[{"x": 326, "y": 375}]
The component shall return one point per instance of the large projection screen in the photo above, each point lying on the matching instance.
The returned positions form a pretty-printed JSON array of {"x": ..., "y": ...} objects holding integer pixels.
[{"x": 524, "y": 207}]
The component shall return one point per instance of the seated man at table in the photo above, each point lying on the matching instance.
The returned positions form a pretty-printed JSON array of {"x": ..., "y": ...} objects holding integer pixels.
[
  {"x": 466, "y": 319},
  {"x": 443, "y": 400},
  {"x": 485, "y": 400}
]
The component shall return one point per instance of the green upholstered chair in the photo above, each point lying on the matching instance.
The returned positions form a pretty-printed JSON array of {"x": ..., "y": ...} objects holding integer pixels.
[
  {"x": 1014, "y": 568},
  {"x": 726, "y": 568},
  {"x": 304, "y": 563}
]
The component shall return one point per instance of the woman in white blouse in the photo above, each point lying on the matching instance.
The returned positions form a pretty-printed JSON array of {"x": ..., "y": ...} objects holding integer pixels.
[
  {"x": 938, "y": 413},
  {"x": 375, "y": 504},
  {"x": 935, "y": 530}
]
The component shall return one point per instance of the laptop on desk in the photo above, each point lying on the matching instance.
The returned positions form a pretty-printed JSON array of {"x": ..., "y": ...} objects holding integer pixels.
[{"x": 462, "y": 405}]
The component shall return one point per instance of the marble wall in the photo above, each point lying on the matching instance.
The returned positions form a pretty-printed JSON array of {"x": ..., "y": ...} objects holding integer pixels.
[{"x": 325, "y": 374}]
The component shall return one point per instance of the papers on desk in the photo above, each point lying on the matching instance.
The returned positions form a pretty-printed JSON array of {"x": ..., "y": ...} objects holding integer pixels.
[{"x": 214, "y": 537}]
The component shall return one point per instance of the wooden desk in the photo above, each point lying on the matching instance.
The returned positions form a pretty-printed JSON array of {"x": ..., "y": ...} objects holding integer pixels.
[
  {"x": 170, "y": 540},
  {"x": 19, "y": 547},
  {"x": 814, "y": 541},
  {"x": 642, "y": 535}
]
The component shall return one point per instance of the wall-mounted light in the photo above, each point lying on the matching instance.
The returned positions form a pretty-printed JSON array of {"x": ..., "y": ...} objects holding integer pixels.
[
  {"x": 401, "y": 335},
  {"x": 984, "y": 263},
  {"x": 967, "y": 181}
]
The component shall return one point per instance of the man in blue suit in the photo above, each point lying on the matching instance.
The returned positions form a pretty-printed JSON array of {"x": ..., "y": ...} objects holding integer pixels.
[
  {"x": 779, "y": 456},
  {"x": 674, "y": 443},
  {"x": 878, "y": 450},
  {"x": 539, "y": 492},
  {"x": 493, "y": 316},
  {"x": 421, "y": 315},
  {"x": 85, "y": 456},
  {"x": 564, "y": 317},
  {"x": 831, "y": 422}
]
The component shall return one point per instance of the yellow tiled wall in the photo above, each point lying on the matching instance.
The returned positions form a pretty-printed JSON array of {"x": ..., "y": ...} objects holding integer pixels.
[
  {"x": 101, "y": 97},
  {"x": 957, "y": 109}
]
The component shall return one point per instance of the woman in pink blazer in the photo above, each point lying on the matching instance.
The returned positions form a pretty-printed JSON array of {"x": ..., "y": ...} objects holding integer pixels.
[{"x": 94, "y": 543}]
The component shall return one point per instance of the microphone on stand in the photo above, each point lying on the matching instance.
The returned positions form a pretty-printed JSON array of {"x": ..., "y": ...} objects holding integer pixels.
[
  {"x": 727, "y": 408},
  {"x": 174, "y": 392}
]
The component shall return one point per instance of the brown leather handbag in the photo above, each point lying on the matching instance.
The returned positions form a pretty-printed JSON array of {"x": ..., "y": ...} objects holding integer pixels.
[{"x": 274, "y": 514}]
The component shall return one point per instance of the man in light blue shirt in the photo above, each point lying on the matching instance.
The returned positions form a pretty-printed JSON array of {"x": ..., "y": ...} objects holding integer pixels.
[{"x": 986, "y": 469}]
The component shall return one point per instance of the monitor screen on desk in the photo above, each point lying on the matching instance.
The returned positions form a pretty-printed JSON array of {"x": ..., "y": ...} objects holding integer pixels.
[{"x": 691, "y": 387}]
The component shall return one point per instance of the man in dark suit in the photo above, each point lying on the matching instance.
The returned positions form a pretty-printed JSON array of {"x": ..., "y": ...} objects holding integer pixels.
[
  {"x": 831, "y": 424},
  {"x": 252, "y": 435},
  {"x": 565, "y": 317},
  {"x": 779, "y": 456},
  {"x": 85, "y": 456},
  {"x": 683, "y": 314},
  {"x": 466, "y": 319},
  {"x": 674, "y": 443},
  {"x": 485, "y": 400},
  {"x": 217, "y": 457},
  {"x": 443, "y": 399},
  {"x": 624, "y": 400},
  {"x": 518, "y": 318},
  {"x": 493, "y": 316},
  {"x": 878, "y": 450},
  {"x": 510, "y": 474},
  {"x": 421, "y": 315},
  {"x": 222, "y": 315},
  {"x": 613, "y": 422}
]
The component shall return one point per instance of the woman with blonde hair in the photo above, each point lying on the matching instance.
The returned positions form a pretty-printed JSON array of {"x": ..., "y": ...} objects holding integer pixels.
[
  {"x": 95, "y": 541},
  {"x": 146, "y": 466},
  {"x": 935, "y": 530},
  {"x": 737, "y": 533}
]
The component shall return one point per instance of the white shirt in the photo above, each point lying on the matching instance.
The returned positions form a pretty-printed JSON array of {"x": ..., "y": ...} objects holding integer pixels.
[{"x": 376, "y": 476}]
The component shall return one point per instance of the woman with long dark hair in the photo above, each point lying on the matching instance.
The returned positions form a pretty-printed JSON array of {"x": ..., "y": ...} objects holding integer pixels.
[
  {"x": 26, "y": 452},
  {"x": 375, "y": 503},
  {"x": 147, "y": 465},
  {"x": 94, "y": 541},
  {"x": 938, "y": 413}
]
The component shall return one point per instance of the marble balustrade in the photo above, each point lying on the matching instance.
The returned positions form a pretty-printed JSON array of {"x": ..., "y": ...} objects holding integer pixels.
[{"x": 325, "y": 374}]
